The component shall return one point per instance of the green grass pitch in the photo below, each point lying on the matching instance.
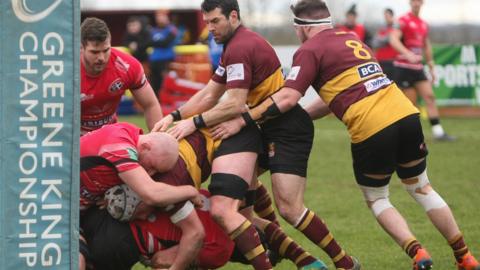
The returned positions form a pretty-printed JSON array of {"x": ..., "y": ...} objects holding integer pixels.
[{"x": 453, "y": 168}]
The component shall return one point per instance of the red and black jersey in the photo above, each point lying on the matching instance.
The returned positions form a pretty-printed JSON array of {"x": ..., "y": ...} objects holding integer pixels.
[
  {"x": 414, "y": 35},
  {"x": 385, "y": 52},
  {"x": 104, "y": 153},
  {"x": 249, "y": 62},
  {"x": 159, "y": 232},
  {"x": 357, "y": 29},
  {"x": 101, "y": 95},
  {"x": 347, "y": 76}
]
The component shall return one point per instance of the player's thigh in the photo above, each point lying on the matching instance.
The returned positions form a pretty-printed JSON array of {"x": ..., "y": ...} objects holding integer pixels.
[
  {"x": 375, "y": 156},
  {"x": 288, "y": 189},
  {"x": 425, "y": 90},
  {"x": 411, "y": 145},
  {"x": 288, "y": 141}
]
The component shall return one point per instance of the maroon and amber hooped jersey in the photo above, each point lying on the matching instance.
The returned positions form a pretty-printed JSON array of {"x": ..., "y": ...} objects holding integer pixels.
[
  {"x": 104, "y": 153},
  {"x": 101, "y": 95},
  {"x": 195, "y": 163},
  {"x": 346, "y": 75},
  {"x": 414, "y": 35},
  {"x": 249, "y": 62}
]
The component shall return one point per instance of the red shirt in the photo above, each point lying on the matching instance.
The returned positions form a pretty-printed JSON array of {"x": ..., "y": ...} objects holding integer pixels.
[
  {"x": 414, "y": 35},
  {"x": 158, "y": 233},
  {"x": 358, "y": 29},
  {"x": 386, "y": 52},
  {"x": 101, "y": 95},
  {"x": 112, "y": 150}
]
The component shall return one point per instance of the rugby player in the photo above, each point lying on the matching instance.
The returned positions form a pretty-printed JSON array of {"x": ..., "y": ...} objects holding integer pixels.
[
  {"x": 193, "y": 168},
  {"x": 120, "y": 153},
  {"x": 384, "y": 126},
  {"x": 106, "y": 73},
  {"x": 410, "y": 39}
]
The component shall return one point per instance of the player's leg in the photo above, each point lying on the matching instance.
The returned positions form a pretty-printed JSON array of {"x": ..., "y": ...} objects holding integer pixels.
[
  {"x": 416, "y": 182},
  {"x": 263, "y": 205},
  {"x": 287, "y": 247},
  {"x": 424, "y": 89},
  {"x": 232, "y": 173},
  {"x": 374, "y": 161},
  {"x": 289, "y": 139}
]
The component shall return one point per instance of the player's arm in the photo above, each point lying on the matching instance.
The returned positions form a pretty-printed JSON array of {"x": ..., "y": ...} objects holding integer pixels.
[
  {"x": 202, "y": 101},
  {"x": 156, "y": 193},
  {"x": 429, "y": 58},
  {"x": 145, "y": 97},
  {"x": 396, "y": 42},
  {"x": 280, "y": 102},
  {"x": 228, "y": 108},
  {"x": 191, "y": 242},
  {"x": 317, "y": 109}
]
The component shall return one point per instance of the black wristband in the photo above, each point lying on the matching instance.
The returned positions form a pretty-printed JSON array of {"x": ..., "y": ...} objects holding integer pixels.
[
  {"x": 176, "y": 115},
  {"x": 198, "y": 121},
  {"x": 248, "y": 119}
]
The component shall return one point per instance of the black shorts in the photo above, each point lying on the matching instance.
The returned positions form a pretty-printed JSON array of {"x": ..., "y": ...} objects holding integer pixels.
[
  {"x": 247, "y": 140},
  {"x": 398, "y": 143},
  {"x": 389, "y": 69},
  {"x": 406, "y": 78},
  {"x": 287, "y": 141},
  {"x": 110, "y": 242}
]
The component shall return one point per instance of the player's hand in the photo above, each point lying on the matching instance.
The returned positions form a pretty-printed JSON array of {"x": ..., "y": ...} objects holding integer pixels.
[
  {"x": 198, "y": 200},
  {"x": 102, "y": 204},
  {"x": 163, "y": 124},
  {"x": 227, "y": 129},
  {"x": 413, "y": 58},
  {"x": 182, "y": 129}
]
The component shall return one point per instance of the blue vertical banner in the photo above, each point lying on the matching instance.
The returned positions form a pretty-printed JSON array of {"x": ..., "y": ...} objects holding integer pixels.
[{"x": 40, "y": 112}]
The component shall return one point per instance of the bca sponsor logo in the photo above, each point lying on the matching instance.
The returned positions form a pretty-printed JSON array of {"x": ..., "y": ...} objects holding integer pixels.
[
  {"x": 25, "y": 14},
  {"x": 115, "y": 86},
  {"x": 369, "y": 69}
]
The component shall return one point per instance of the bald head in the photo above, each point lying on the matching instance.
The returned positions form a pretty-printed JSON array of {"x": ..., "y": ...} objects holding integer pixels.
[{"x": 157, "y": 152}]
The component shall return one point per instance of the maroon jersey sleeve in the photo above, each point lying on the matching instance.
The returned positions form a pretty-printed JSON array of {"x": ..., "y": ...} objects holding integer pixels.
[
  {"x": 220, "y": 76},
  {"x": 304, "y": 71},
  {"x": 237, "y": 65}
]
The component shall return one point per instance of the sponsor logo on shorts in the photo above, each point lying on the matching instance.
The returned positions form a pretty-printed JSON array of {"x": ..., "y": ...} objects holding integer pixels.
[
  {"x": 293, "y": 73},
  {"x": 25, "y": 14},
  {"x": 220, "y": 71},
  {"x": 369, "y": 69},
  {"x": 377, "y": 83},
  {"x": 235, "y": 72}
]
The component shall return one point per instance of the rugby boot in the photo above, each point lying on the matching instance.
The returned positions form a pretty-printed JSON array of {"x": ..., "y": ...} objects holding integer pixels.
[
  {"x": 316, "y": 265},
  {"x": 356, "y": 265},
  {"x": 445, "y": 138},
  {"x": 422, "y": 260},
  {"x": 468, "y": 262}
]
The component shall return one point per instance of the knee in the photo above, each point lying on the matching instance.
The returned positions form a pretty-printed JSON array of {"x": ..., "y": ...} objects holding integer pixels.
[
  {"x": 289, "y": 211},
  {"x": 420, "y": 189},
  {"x": 377, "y": 198}
]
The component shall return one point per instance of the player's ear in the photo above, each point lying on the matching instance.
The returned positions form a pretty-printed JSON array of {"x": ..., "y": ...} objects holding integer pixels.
[{"x": 145, "y": 146}]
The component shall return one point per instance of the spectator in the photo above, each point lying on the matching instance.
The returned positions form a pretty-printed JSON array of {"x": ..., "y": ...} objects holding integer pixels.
[
  {"x": 384, "y": 52},
  {"x": 163, "y": 42},
  {"x": 351, "y": 25},
  {"x": 137, "y": 37}
]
